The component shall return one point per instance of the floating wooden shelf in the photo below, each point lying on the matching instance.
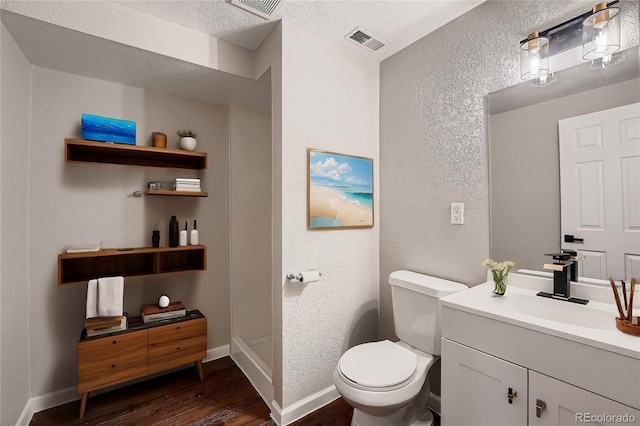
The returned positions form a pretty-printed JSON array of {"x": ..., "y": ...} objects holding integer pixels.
[
  {"x": 78, "y": 268},
  {"x": 78, "y": 150},
  {"x": 176, "y": 193}
]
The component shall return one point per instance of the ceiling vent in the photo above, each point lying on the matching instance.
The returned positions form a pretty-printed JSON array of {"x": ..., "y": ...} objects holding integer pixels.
[
  {"x": 263, "y": 8},
  {"x": 366, "y": 39}
]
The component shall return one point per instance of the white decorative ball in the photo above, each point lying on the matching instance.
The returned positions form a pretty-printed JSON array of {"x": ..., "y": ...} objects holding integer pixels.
[{"x": 163, "y": 302}]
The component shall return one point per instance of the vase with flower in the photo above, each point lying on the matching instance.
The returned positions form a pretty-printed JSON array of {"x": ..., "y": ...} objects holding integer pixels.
[{"x": 500, "y": 272}]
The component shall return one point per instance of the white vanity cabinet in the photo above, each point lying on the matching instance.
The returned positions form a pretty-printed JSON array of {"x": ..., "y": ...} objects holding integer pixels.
[
  {"x": 480, "y": 389},
  {"x": 554, "y": 403},
  {"x": 490, "y": 350}
]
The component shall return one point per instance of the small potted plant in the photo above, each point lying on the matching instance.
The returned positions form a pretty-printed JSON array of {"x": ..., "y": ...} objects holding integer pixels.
[{"x": 187, "y": 139}]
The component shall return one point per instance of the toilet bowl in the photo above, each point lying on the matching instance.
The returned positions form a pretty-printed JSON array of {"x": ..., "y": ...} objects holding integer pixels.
[
  {"x": 380, "y": 380},
  {"x": 387, "y": 382}
]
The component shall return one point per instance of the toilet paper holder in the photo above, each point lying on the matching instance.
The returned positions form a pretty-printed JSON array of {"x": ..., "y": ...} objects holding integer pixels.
[{"x": 298, "y": 277}]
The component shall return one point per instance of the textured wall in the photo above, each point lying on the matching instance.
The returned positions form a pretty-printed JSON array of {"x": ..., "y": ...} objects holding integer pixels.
[
  {"x": 72, "y": 204},
  {"x": 330, "y": 102},
  {"x": 14, "y": 230},
  {"x": 432, "y": 136},
  {"x": 525, "y": 194}
]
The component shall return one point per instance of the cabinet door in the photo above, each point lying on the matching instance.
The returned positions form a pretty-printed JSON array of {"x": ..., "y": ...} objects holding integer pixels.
[
  {"x": 475, "y": 388},
  {"x": 173, "y": 345},
  {"x": 567, "y": 405}
]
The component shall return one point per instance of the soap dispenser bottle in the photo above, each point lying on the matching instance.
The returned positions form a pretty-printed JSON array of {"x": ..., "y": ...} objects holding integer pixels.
[
  {"x": 173, "y": 232},
  {"x": 183, "y": 235},
  {"x": 194, "y": 234}
]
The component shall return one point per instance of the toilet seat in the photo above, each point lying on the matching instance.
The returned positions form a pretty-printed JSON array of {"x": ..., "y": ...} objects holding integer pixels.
[{"x": 378, "y": 366}]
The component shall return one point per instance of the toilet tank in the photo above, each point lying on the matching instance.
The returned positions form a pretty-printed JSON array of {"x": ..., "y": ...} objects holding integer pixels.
[{"x": 415, "y": 308}]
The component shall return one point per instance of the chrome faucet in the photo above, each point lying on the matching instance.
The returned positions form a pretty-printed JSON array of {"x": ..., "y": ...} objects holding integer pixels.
[{"x": 564, "y": 271}]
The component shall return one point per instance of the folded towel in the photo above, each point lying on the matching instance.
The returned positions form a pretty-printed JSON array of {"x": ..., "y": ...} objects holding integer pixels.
[
  {"x": 110, "y": 296},
  {"x": 92, "y": 299}
]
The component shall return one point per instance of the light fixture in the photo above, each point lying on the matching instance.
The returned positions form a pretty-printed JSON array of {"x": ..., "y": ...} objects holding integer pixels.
[
  {"x": 545, "y": 80},
  {"x": 597, "y": 30},
  {"x": 601, "y": 33},
  {"x": 534, "y": 57}
]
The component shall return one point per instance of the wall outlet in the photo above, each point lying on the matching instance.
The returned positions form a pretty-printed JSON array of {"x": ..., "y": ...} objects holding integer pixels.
[{"x": 457, "y": 213}]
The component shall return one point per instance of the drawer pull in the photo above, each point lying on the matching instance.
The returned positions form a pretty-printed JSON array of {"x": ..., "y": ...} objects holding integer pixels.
[
  {"x": 178, "y": 328},
  {"x": 113, "y": 366},
  {"x": 178, "y": 348},
  {"x": 114, "y": 342}
]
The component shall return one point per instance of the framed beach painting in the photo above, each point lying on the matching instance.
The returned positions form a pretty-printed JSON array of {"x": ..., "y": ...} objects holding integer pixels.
[{"x": 339, "y": 191}]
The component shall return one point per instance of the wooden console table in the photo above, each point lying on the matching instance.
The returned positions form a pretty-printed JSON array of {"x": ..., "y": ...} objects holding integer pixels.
[{"x": 141, "y": 350}]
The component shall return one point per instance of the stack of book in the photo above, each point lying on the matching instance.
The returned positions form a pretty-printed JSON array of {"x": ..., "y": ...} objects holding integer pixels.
[
  {"x": 186, "y": 184},
  {"x": 104, "y": 325},
  {"x": 152, "y": 313}
]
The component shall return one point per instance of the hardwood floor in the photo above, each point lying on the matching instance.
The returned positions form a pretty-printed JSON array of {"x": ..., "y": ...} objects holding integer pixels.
[{"x": 224, "y": 397}]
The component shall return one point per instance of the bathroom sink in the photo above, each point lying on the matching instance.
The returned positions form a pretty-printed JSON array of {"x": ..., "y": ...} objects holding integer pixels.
[
  {"x": 592, "y": 315},
  {"x": 593, "y": 324}
]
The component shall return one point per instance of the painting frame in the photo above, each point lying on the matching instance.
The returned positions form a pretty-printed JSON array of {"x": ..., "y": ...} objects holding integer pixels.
[{"x": 340, "y": 191}]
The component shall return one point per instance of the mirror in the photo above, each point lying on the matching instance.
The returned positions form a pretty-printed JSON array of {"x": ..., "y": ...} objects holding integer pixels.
[{"x": 524, "y": 174}]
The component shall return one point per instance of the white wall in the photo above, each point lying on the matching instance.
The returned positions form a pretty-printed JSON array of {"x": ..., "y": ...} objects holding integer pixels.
[
  {"x": 14, "y": 230},
  {"x": 525, "y": 177},
  {"x": 250, "y": 213},
  {"x": 74, "y": 204},
  {"x": 433, "y": 136},
  {"x": 330, "y": 102}
]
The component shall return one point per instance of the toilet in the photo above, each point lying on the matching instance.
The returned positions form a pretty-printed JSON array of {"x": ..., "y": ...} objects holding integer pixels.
[{"x": 387, "y": 382}]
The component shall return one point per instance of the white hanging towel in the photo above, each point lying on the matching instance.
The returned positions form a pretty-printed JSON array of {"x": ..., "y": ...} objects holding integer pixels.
[
  {"x": 110, "y": 296},
  {"x": 92, "y": 299}
]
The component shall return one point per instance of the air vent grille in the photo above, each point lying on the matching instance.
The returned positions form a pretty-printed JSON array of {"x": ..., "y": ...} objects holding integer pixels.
[
  {"x": 366, "y": 39},
  {"x": 263, "y": 8}
]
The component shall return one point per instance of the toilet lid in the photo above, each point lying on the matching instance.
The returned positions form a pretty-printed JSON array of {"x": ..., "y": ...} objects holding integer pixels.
[{"x": 378, "y": 364}]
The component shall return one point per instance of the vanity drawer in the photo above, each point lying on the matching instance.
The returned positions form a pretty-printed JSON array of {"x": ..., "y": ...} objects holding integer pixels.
[{"x": 110, "y": 360}]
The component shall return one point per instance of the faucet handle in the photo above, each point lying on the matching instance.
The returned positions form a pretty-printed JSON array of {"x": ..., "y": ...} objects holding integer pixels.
[{"x": 559, "y": 257}]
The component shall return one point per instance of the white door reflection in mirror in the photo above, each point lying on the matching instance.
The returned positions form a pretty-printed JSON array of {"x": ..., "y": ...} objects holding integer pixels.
[{"x": 600, "y": 190}]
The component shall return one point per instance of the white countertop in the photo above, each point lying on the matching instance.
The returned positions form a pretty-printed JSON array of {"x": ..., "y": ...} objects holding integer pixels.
[{"x": 593, "y": 324}]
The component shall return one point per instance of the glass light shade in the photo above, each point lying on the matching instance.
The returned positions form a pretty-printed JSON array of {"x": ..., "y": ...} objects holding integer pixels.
[
  {"x": 601, "y": 32},
  {"x": 534, "y": 57},
  {"x": 544, "y": 81}
]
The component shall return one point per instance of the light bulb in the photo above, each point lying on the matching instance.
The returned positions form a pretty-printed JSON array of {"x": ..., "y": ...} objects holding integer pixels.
[
  {"x": 600, "y": 38},
  {"x": 534, "y": 63}
]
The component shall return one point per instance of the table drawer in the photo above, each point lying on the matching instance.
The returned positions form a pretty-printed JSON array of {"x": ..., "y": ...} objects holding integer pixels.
[
  {"x": 163, "y": 356},
  {"x": 177, "y": 331},
  {"x": 111, "y": 360}
]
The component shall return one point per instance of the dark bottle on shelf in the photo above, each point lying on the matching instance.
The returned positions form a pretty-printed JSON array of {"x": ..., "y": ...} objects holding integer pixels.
[
  {"x": 155, "y": 238},
  {"x": 174, "y": 232}
]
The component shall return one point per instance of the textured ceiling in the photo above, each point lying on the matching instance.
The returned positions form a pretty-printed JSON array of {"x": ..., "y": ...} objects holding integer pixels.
[{"x": 399, "y": 23}]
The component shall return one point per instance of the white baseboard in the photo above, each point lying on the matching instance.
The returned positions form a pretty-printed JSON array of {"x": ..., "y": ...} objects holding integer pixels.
[
  {"x": 217, "y": 353},
  {"x": 258, "y": 377},
  {"x": 308, "y": 405},
  {"x": 43, "y": 402},
  {"x": 53, "y": 399}
]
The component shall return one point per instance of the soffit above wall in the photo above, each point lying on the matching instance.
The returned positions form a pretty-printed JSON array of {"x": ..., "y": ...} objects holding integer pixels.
[
  {"x": 398, "y": 23},
  {"x": 54, "y": 47}
]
